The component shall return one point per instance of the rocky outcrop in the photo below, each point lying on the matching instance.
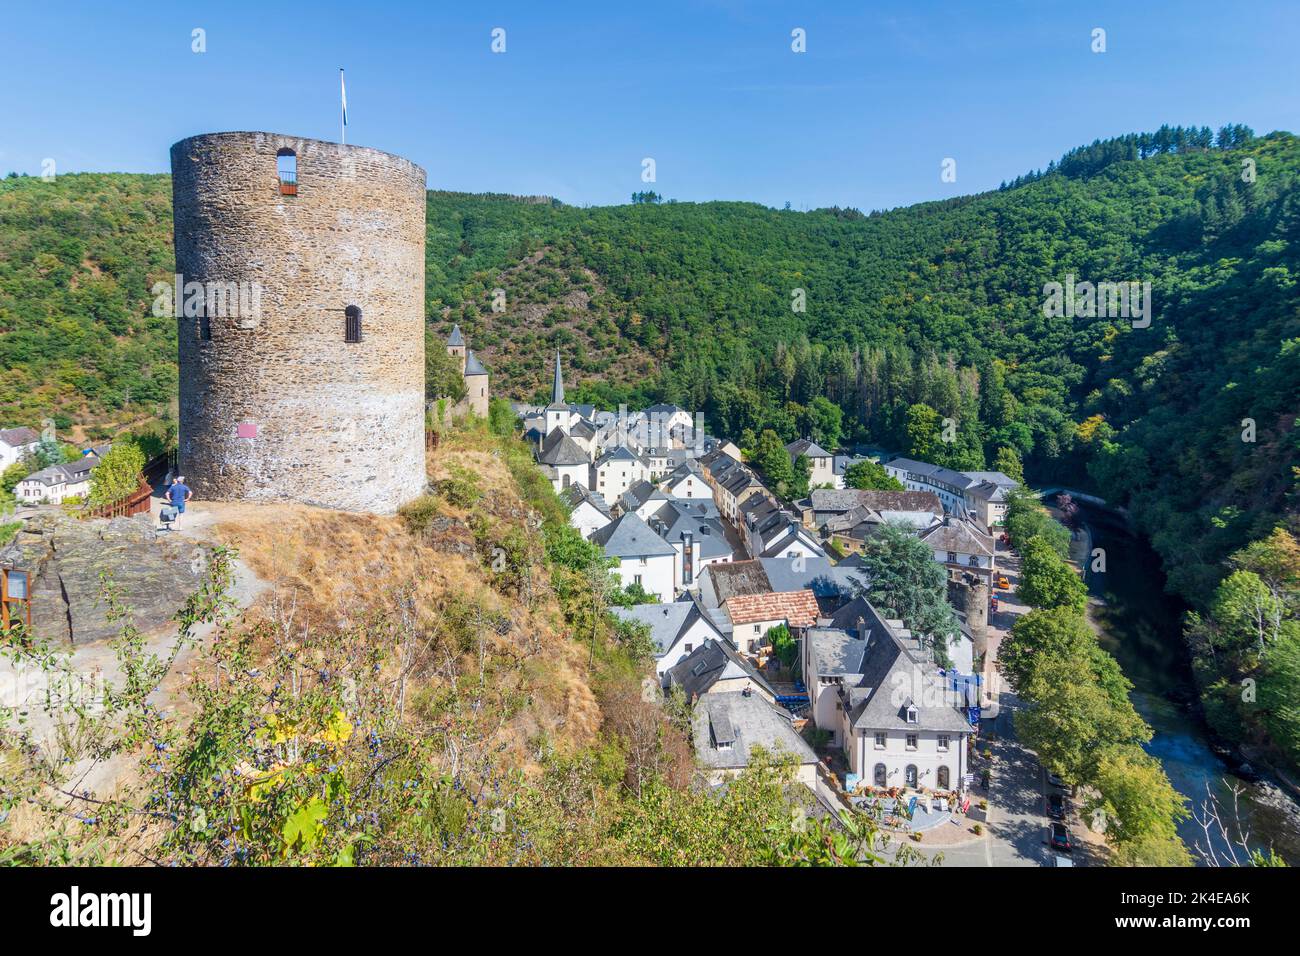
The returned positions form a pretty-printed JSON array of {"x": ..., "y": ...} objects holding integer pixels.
[{"x": 153, "y": 574}]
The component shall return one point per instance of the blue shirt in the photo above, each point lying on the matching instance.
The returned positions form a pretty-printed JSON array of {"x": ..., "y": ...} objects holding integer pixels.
[{"x": 177, "y": 493}]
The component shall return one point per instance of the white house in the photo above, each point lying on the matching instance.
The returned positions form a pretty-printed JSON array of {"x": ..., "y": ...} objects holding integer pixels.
[
  {"x": 587, "y": 509},
  {"x": 57, "y": 483},
  {"x": 962, "y": 547},
  {"x": 714, "y": 667},
  {"x": 726, "y": 727},
  {"x": 644, "y": 557},
  {"x": 894, "y": 717},
  {"x": 618, "y": 470},
  {"x": 978, "y": 493},
  {"x": 16, "y": 444},
  {"x": 695, "y": 531},
  {"x": 563, "y": 461},
  {"x": 687, "y": 481},
  {"x": 822, "y": 461},
  {"x": 677, "y": 629},
  {"x": 753, "y": 615}
]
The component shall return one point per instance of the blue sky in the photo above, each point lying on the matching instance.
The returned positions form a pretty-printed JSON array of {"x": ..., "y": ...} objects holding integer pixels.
[{"x": 711, "y": 90}]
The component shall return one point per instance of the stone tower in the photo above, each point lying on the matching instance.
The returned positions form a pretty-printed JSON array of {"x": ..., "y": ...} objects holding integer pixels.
[
  {"x": 472, "y": 372},
  {"x": 317, "y": 393}
]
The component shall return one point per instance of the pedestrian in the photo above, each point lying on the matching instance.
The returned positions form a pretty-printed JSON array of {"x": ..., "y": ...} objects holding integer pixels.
[{"x": 178, "y": 494}]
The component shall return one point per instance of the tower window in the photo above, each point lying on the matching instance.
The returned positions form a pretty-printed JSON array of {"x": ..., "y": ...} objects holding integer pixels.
[
  {"x": 205, "y": 327},
  {"x": 352, "y": 324},
  {"x": 286, "y": 164}
]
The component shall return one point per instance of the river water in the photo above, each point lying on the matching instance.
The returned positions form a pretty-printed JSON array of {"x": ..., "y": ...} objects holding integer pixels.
[{"x": 1141, "y": 627}]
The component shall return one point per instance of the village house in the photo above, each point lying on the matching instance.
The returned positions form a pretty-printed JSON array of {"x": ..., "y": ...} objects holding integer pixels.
[
  {"x": 677, "y": 629},
  {"x": 588, "y": 511},
  {"x": 981, "y": 494},
  {"x": 563, "y": 461},
  {"x": 16, "y": 444},
  {"x": 897, "y": 721},
  {"x": 694, "y": 529},
  {"x": 714, "y": 667},
  {"x": 644, "y": 557},
  {"x": 753, "y": 615},
  {"x": 727, "y": 727},
  {"x": 821, "y": 461},
  {"x": 57, "y": 483},
  {"x": 962, "y": 547},
  {"x": 686, "y": 481},
  {"x": 618, "y": 470}
]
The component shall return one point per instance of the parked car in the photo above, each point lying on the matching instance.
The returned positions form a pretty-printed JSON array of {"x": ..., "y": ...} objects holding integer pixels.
[
  {"x": 1057, "y": 782},
  {"x": 1059, "y": 838},
  {"x": 1057, "y": 806},
  {"x": 1004, "y": 539},
  {"x": 993, "y": 604},
  {"x": 1003, "y": 582}
]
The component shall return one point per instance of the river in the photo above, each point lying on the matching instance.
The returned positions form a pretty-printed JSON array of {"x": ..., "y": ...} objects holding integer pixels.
[{"x": 1141, "y": 627}]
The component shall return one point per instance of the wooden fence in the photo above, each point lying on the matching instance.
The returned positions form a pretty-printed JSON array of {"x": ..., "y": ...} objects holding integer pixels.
[{"x": 133, "y": 504}]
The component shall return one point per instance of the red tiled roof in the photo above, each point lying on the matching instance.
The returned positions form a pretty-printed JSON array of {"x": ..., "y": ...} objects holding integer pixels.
[{"x": 797, "y": 608}]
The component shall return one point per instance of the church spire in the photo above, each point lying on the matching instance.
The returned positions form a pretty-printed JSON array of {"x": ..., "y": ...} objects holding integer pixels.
[{"x": 557, "y": 390}]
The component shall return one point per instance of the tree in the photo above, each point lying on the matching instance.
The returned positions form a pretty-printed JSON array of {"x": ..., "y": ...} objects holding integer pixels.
[
  {"x": 117, "y": 474},
  {"x": 773, "y": 460},
  {"x": 825, "y": 421},
  {"x": 869, "y": 474},
  {"x": 784, "y": 645},
  {"x": 921, "y": 427},
  {"x": 1026, "y": 518},
  {"x": 1046, "y": 581},
  {"x": 1141, "y": 809},
  {"x": 1049, "y": 634},
  {"x": 1008, "y": 462},
  {"x": 802, "y": 474},
  {"x": 905, "y": 579}
]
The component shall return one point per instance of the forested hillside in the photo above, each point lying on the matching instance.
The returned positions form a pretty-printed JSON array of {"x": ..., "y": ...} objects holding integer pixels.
[{"x": 910, "y": 316}]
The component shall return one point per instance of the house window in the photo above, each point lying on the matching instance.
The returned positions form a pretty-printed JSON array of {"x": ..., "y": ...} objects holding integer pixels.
[
  {"x": 286, "y": 165},
  {"x": 911, "y": 741},
  {"x": 636, "y": 579},
  {"x": 689, "y": 648},
  {"x": 942, "y": 779},
  {"x": 879, "y": 775},
  {"x": 911, "y": 714},
  {"x": 758, "y": 628},
  {"x": 352, "y": 324},
  {"x": 880, "y": 741},
  {"x": 943, "y": 741},
  {"x": 952, "y": 557},
  {"x": 909, "y": 775}
]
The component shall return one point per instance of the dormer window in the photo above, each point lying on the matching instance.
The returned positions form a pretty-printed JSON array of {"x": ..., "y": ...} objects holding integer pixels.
[
  {"x": 286, "y": 165},
  {"x": 911, "y": 714},
  {"x": 352, "y": 324}
]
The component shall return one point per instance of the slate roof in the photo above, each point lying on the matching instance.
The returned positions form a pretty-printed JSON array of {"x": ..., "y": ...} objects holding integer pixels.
[
  {"x": 738, "y": 578},
  {"x": 66, "y": 473},
  {"x": 859, "y": 609},
  {"x": 560, "y": 449},
  {"x": 798, "y": 608},
  {"x": 619, "y": 453},
  {"x": 833, "y": 652},
  {"x": 631, "y": 537},
  {"x": 709, "y": 663},
  {"x": 667, "y": 622},
  {"x": 472, "y": 365},
  {"x": 744, "y": 722},
  {"x": 575, "y": 495},
  {"x": 680, "y": 516},
  {"x": 582, "y": 429},
  {"x": 959, "y": 537},
  {"x": 926, "y": 470},
  {"x": 18, "y": 437},
  {"x": 456, "y": 338},
  {"x": 891, "y": 680},
  {"x": 806, "y": 446},
  {"x": 814, "y": 574}
]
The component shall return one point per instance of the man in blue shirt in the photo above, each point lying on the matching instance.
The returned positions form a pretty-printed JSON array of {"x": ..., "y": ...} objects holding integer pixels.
[{"x": 178, "y": 494}]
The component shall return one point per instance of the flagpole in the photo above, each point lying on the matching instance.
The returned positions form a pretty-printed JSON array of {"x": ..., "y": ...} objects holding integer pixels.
[{"x": 343, "y": 109}]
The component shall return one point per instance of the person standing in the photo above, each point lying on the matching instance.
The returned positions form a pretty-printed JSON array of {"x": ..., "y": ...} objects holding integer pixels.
[{"x": 178, "y": 494}]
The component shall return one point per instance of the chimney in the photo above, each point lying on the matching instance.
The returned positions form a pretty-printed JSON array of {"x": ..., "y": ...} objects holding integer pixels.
[{"x": 862, "y": 627}]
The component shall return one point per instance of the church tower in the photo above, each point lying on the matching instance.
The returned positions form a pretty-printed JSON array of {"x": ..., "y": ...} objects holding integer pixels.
[
  {"x": 557, "y": 413},
  {"x": 456, "y": 346}
]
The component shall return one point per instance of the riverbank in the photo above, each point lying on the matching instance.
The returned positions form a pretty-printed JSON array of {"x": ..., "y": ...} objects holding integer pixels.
[{"x": 1141, "y": 626}]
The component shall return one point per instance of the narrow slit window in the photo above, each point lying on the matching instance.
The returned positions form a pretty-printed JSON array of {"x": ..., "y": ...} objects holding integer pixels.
[
  {"x": 352, "y": 324},
  {"x": 205, "y": 328},
  {"x": 286, "y": 165}
]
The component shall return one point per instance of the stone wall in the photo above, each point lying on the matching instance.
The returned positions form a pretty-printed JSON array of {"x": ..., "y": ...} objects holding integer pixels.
[{"x": 278, "y": 405}]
